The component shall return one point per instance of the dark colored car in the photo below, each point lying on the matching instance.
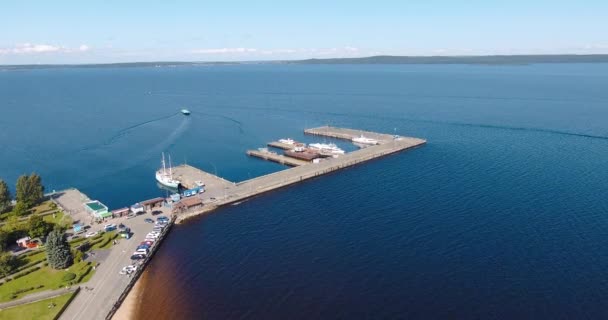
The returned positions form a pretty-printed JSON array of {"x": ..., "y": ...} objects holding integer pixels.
[
  {"x": 148, "y": 220},
  {"x": 155, "y": 212},
  {"x": 137, "y": 257}
]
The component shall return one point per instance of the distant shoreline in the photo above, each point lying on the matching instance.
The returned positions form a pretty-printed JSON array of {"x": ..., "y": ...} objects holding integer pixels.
[{"x": 476, "y": 60}]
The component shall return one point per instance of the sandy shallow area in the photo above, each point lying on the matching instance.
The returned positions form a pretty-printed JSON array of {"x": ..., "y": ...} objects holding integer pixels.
[{"x": 128, "y": 308}]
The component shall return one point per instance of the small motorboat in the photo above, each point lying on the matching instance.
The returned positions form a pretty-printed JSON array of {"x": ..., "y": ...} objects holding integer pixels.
[{"x": 185, "y": 112}]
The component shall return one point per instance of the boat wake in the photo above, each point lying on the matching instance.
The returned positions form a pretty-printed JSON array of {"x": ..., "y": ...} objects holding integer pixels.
[
  {"x": 393, "y": 118},
  {"x": 123, "y": 132},
  {"x": 238, "y": 123}
]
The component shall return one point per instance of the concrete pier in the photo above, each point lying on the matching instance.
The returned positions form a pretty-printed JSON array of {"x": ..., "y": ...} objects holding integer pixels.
[
  {"x": 223, "y": 194},
  {"x": 349, "y": 134}
]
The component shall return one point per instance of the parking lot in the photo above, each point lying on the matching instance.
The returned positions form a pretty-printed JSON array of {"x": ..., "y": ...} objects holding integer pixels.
[{"x": 108, "y": 284}]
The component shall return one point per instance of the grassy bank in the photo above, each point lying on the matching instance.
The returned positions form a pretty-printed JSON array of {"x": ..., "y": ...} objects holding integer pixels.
[
  {"x": 37, "y": 310},
  {"x": 45, "y": 278}
]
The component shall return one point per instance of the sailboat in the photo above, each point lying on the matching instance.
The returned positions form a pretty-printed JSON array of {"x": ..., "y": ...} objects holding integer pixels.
[{"x": 164, "y": 176}]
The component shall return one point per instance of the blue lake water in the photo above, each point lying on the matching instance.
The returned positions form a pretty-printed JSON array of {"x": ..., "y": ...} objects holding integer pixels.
[{"x": 502, "y": 215}]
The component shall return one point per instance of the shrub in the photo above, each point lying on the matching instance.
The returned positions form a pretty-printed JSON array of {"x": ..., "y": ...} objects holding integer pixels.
[
  {"x": 68, "y": 276},
  {"x": 24, "y": 273},
  {"x": 84, "y": 274}
]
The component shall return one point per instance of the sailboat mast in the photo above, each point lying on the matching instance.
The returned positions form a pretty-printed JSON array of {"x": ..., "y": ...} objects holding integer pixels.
[
  {"x": 163, "y": 163},
  {"x": 170, "y": 167}
]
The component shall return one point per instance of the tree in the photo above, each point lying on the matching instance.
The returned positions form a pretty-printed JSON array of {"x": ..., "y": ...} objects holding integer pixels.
[
  {"x": 58, "y": 251},
  {"x": 37, "y": 227},
  {"x": 29, "y": 189},
  {"x": 7, "y": 263},
  {"x": 4, "y": 236},
  {"x": 20, "y": 209},
  {"x": 5, "y": 196}
]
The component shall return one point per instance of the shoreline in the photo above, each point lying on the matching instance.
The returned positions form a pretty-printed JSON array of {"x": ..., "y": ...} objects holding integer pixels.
[{"x": 128, "y": 308}]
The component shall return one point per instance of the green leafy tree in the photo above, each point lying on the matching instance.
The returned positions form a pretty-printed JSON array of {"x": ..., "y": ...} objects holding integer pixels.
[
  {"x": 12, "y": 224},
  {"x": 5, "y": 196},
  {"x": 7, "y": 264},
  {"x": 37, "y": 227},
  {"x": 3, "y": 240},
  {"x": 20, "y": 209},
  {"x": 29, "y": 190},
  {"x": 58, "y": 251}
]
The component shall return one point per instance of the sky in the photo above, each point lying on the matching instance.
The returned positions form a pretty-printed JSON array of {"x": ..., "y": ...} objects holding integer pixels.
[{"x": 62, "y": 31}]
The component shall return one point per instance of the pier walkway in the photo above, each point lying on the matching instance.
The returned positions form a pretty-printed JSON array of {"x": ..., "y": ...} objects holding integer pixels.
[{"x": 234, "y": 192}]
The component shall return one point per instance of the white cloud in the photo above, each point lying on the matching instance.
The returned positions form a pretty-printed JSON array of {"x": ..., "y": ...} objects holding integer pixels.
[
  {"x": 29, "y": 48},
  {"x": 304, "y": 52},
  {"x": 224, "y": 50}
]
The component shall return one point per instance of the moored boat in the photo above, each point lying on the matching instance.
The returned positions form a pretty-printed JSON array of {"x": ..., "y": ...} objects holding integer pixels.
[
  {"x": 326, "y": 148},
  {"x": 365, "y": 140},
  {"x": 164, "y": 176}
]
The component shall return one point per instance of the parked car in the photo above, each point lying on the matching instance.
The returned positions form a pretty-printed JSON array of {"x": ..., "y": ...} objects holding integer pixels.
[
  {"x": 109, "y": 227},
  {"x": 155, "y": 212},
  {"x": 162, "y": 218},
  {"x": 91, "y": 234},
  {"x": 157, "y": 229},
  {"x": 131, "y": 215},
  {"x": 148, "y": 220},
  {"x": 137, "y": 256},
  {"x": 150, "y": 243}
]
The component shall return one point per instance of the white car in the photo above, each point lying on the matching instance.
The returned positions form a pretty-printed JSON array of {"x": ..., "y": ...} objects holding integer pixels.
[
  {"x": 128, "y": 269},
  {"x": 91, "y": 234},
  {"x": 152, "y": 235}
]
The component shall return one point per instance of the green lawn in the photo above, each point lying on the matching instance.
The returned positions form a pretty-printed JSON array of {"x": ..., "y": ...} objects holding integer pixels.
[
  {"x": 38, "y": 310},
  {"x": 40, "y": 255},
  {"x": 107, "y": 240},
  {"x": 60, "y": 218},
  {"x": 43, "y": 207},
  {"x": 46, "y": 276}
]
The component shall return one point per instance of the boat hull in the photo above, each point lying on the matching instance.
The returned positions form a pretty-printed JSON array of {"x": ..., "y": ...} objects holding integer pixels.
[{"x": 166, "y": 181}]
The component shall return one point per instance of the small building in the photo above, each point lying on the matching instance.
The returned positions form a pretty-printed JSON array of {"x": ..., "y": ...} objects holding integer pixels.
[
  {"x": 193, "y": 191},
  {"x": 137, "y": 208},
  {"x": 23, "y": 242},
  {"x": 153, "y": 203},
  {"x": 122, "y": 212},
  {"x": 97, "y": 209},
  {"x": 187, "y": 204}
]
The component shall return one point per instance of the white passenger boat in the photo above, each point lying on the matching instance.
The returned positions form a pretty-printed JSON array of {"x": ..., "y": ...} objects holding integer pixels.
[
  {"x": 287, "y": 141},
  {"x": 326, "y": 148},
  {"x": 365, "y": 140}
]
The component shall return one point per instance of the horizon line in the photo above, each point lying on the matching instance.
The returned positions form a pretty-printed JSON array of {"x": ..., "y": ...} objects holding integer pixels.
[{"x": 436, "y": 57}]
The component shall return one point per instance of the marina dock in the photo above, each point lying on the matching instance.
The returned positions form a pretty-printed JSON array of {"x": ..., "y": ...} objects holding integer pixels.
[
  {"x": 280, "y": 145},
  {"x": 349, "y": 134},
  {"x": 275, "y": 157},
  {"x": 219, "y": 194}
]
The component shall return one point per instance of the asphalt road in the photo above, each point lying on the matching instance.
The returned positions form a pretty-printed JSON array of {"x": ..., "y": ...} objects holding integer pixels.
[{"x": 107, "y": 284}]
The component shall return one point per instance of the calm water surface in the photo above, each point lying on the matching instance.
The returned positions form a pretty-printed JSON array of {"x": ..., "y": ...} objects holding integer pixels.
[{"x": 502, "y": 215}]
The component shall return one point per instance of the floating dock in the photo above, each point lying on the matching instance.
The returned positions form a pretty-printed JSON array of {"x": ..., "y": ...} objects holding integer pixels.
[
  {"x": 275, "y": 157},
  {"x": 224, "y": 192},
  {"x": 280, "y": 145}
]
